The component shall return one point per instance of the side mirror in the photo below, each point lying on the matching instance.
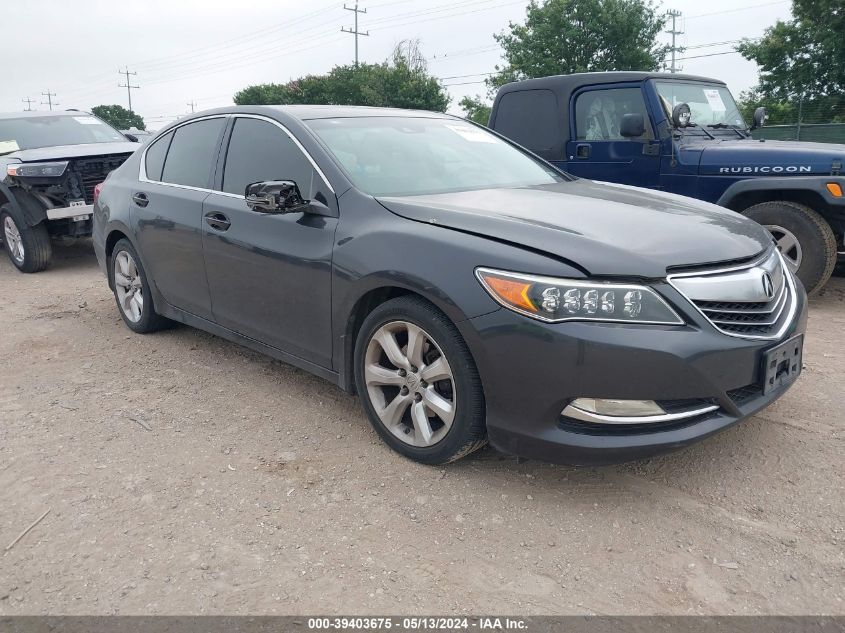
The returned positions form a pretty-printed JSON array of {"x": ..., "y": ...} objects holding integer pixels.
[
  {"x": 131, "y": 137},
  {"x": 681, "y": 115},
  {"x": 275, "y": 196},
  {"x": 760, "y": 118},
  {"x": 633, "y": 125}
]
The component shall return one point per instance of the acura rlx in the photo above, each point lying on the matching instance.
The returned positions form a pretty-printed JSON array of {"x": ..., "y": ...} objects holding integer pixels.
[{"x": 466, "y": 290}]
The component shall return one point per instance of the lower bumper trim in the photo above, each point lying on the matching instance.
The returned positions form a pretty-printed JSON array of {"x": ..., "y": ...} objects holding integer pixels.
[{"x": 576, "y": 413}]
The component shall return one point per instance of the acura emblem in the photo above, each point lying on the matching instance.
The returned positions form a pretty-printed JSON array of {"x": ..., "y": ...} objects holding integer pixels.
[{"x": 768, "y": 285}]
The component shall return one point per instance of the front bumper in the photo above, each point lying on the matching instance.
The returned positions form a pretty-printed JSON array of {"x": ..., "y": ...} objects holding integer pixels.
[{"x": 532, "y": 370}]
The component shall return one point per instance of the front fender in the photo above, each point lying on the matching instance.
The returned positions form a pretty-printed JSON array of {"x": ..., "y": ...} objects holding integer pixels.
[
  {"x": 25, "y": 204},
  {"x": 814, "y": 184}
]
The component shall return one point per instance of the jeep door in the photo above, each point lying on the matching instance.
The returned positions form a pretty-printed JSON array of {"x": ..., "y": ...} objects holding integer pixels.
[
  {"x": 270, "y": 273},
  {"x": 597, "y": 150},
  {"x": 166, "y": 211}
]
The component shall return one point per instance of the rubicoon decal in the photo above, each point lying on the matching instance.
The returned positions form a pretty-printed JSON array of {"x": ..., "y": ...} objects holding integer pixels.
[{"x": 767, "y": 169}]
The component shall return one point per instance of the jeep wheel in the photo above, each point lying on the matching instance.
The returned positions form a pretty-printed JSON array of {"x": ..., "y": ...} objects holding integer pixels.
[
  {"x": 27, "y": 246},
  {"x": 803, "y": 237}
]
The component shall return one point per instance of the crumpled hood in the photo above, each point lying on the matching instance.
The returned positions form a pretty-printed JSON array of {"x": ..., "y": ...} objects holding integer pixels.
[
  {"x": 769, "y": 158},
  {"x": 63, "y": 152},
  {"x": 606, "y": 229}
]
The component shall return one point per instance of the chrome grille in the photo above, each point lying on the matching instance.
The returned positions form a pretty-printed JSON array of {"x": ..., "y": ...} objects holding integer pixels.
[{"x": 751, "y": 301}]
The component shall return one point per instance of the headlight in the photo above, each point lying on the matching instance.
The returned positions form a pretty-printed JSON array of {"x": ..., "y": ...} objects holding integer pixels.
[
  {"x": 555, "y": 300},
  {"x": 37, "y": 170}
]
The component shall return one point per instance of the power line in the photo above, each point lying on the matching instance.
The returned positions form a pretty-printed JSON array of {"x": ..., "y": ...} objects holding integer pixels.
[
  {"x": 355, "y": 32},
  {"x": 723, "y": 12},
  {"x": 674, "y": 33},
  {"x": 49, "y": 96},
  {"x": 128, "y": 85},
  {"x": 28, "y": 103}
]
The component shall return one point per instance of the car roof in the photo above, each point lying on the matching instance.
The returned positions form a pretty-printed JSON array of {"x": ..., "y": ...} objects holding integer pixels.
[
  {"x": 306, "y": 112},
  {"x": 566, "y": 84},
  {"x": 42, "y": 113}
]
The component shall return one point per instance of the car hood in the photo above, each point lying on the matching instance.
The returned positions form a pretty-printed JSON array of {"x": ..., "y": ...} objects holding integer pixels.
[
  {"x": 605, "y": 229},
  {"x": 770, "y": 158},
  {"x": 62, "y": 152}
]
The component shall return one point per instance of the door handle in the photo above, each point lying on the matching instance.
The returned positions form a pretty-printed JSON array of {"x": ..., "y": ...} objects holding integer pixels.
[
  {"x": 582, "y": 150},
  {"x": 140, "y": 199},
  {"x": 218, "y": 221}
]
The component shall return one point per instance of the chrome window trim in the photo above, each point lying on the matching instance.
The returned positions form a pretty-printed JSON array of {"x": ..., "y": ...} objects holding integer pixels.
[
  {"x": 792, "y": 298},
  {"x": 142, "y": 171},
  {"x": 577, "y": 413}
]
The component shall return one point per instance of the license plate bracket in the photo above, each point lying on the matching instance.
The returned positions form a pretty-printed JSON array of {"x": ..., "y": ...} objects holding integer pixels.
[{"x": 782, "y": 364}]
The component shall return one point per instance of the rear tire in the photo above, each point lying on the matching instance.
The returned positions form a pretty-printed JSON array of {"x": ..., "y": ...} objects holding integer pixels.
[
  {"x": 425, "y": 400},
  {"x": 805, "y": 239},
  {"x": 28, "y": 247},
  {"x": 132, "y": 291}
]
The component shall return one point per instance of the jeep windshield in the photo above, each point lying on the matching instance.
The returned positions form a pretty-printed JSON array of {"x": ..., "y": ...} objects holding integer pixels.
[
  {"x": 420, "y": 155},
  {"x": 711, "y": 105},
  {"x": 33, "y": 132}
]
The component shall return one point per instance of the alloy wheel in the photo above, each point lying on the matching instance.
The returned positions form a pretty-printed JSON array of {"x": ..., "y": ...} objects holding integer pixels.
[
  {"x": 788, "y": 245},
  {"x": 410, "y": 383},
  {"x": 128, "y": 286},
  {"x": 14, "y": 242}
]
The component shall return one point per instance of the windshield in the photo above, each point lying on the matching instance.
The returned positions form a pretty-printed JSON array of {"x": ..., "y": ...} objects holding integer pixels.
[
  {"x": 51, "y": 131},
  {"x": 709, "y": 104},
  {"x": 408, "y": 156}
]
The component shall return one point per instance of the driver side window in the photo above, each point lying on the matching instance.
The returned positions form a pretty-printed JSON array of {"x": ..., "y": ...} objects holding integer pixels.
[
  {"x": 598, "y": 113},
  {"x": 260, "y": 151}
]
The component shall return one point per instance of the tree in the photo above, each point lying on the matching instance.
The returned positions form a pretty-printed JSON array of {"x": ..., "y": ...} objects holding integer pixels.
[
  {"x": 400, "y": 82},
  {"x": 574, "y": 36},
  {"x": 802, "y": 57},
  {"x": 475, "y": 109},
  {"x": 119, "y": 117}
]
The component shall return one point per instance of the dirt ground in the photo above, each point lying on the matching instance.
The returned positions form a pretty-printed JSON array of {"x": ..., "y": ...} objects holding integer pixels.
[{"x": 187, "y": 475}]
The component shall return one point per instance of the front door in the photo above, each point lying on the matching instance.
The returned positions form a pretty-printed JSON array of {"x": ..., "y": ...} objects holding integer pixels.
[
  {"x": 599, "y": 151},
  {"x": 270, "y": 274}
]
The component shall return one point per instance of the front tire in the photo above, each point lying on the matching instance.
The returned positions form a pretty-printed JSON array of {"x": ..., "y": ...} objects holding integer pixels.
[
  {"x": 28, "y": 247},
  {"x": 418, "y": 382},
  {"x": 132, "y": 290},
  {"x": 804, "y": 238}
]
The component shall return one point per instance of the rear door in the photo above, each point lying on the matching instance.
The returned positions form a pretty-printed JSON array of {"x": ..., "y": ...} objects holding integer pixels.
[
  {"x": 270, "y": 274},
  {"x": 166, "y": 211},
  {"x": 598, "y": 151}
]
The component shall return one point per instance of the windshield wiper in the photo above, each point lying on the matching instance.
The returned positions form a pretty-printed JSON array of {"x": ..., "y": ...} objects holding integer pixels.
[{"x": 726, "y": 126}]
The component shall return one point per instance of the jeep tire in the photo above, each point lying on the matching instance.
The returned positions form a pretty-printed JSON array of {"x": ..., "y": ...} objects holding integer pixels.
[
  {"x": 28, "y": 247},
  {"x": 804, "y": 237}
]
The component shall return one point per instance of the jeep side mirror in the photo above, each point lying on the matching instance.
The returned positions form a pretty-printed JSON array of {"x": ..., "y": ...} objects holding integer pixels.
[
  {"x": 275, "y": 196},
  {"x": 632, "y": 126},
  {"x": 681, "y": 115},
  {"x": 760, "y": 118}
]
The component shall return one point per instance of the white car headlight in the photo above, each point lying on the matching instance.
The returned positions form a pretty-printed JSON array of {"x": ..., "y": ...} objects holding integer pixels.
[{"x": 554, "y": 300}]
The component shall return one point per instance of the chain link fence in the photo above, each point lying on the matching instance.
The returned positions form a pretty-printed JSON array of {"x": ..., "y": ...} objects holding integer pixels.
[{"x": 809, "y": 120}]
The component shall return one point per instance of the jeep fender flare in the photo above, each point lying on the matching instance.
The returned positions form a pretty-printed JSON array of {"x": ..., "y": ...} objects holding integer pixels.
[
  {"x": 810, "y": 184},
  {"x": 25, "y": 204}
]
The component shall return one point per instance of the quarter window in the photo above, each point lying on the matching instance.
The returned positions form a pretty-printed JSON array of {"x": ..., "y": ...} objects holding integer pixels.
[
  {"x": 193, "y": 151},
  {"x": 598, "y": 113},
  {"x": 154, "y": 162},
  {"x": 260, "y": 151}
]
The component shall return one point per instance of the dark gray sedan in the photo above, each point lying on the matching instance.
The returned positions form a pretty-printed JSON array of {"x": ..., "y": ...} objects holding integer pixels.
[{"x": 465, "y": 289}]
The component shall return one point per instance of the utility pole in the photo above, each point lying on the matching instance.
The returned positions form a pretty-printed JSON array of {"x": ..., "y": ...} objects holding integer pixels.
[
  {"x": 49, "y": 96},
  {"x": 28, "y": 103},
  {"x": 127, "y": 85},
  {"x": 674, "y": 33},
  {"x": 355, "y": 31},
  {"x": 191, "y": 104}
]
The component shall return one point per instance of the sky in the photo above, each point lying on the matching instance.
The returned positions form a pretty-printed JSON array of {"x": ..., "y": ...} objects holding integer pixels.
[{"x": 202, "y": 52}]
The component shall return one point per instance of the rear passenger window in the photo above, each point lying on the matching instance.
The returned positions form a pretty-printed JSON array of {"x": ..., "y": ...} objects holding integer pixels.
[
  {"x": 260, "y": 151},
  {"x": 530, "y": 118},
  {"x": 192, "y": 152},
  {"x": 156, "y": 152},
  {"x": 598, "y": 113}
]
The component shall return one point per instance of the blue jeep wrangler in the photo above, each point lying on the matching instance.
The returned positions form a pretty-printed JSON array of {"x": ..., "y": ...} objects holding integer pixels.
[{"x": 684, "y": 134}]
